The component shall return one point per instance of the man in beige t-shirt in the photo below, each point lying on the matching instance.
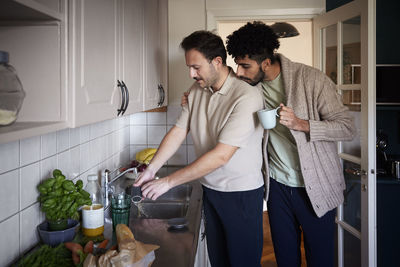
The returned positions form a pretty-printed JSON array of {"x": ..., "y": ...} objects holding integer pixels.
[{"x": 221, "y": 116}]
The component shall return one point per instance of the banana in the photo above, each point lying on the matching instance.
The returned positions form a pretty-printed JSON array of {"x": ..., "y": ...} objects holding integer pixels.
[
  {"x": 142, "y": 156},
  {"x": 149, "y": 158}
]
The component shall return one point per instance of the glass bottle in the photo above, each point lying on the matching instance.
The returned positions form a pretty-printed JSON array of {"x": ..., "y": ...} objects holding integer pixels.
[
  {"x": 11, "y": 92},
  {"x": 93, "y": 216}
]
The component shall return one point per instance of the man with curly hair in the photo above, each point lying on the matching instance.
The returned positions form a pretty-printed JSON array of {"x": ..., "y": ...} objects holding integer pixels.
[
  {"x": 300, "y": 153},
  {"x": 221, "y": 117}
]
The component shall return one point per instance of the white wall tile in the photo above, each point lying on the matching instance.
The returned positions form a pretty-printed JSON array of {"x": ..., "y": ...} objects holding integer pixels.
[
  {"x": 84, "y": 135},
  {"x": 49, "y": 145},
  {"x": 75, "y": 162},
  {"x": 191, "y": 154},
  {"x": 113, "y": 125},
  {"x": 114, "y": 142},
  {"x": 124, "y": 156},
  {"x": 62, "y": 140},
  {"x": 155, "y": 134},
  {"x": 9, "y": 194},
  {"x": 29, "y": 180},
  {"x": 29, "y": 219},
  {"x": 156, "y": 118},
  {"x": 47, "y": 167},
  {"x": 116, "y": 161},
  {"x": 95, "y": 130},
  {"x": 120, "y": 139},
  {"x": 76, "y": 152},
  {"x": 29, "y": 150},
  {"x": 173, "y": 113},
  {"x": 139, "y": 135},
  {"x": 9, "y": 156},
  {"x": 64, "y": 163},
  {"x": 135, "y": 149},
  {"x": 108, "y": 126},
  {"x": 109, "y": 150},
  {"x": 85, "y": 157},
  {"x": 74, "y": 137},
  {"x": 103, "y": 127},
  {"x": 95, "y": 151},
  {"x": 122, "y": 122},
  {"x": 131, "y": 154},
  {"x": 109, "y": 164},
  {"x": 138, "y": 119},
  {"x": 101, "y": 148},
  {"x": 180, "y": 156},
  {"x": 9, "y": 242},
  {"x": 126, "y": 136}
]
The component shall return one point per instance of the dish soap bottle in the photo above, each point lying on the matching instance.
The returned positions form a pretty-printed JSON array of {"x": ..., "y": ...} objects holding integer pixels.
[{"x": 93, "y": 216}]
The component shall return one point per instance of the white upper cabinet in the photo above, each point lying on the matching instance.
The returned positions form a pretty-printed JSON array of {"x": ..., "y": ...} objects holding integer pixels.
[
  {"x": 34, "y": 34},
  {"x": 131, "y": 52},
  {"x": 84, "y": 61},
  {"x": 156, "y": 53},
  {"x": 93, "y": 44},
  {"x": 118, "y": 58}
]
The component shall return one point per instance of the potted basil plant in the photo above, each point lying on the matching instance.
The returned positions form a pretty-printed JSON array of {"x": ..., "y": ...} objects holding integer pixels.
[{"x": 60, "y": 200}]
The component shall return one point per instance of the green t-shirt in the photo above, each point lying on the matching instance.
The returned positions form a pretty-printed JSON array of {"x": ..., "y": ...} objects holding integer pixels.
[{"x": 284, "y": 163}]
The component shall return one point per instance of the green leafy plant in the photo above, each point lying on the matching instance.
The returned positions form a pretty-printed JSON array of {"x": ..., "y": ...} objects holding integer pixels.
[{"x": 60, "y": 198}]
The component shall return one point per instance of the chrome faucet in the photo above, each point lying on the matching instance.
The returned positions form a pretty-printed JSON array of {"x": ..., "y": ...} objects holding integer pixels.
[{"x": 107, "y": 183}]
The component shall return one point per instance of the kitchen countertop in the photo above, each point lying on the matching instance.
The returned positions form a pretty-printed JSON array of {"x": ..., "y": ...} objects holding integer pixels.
[{"x": 177, "y": 248}]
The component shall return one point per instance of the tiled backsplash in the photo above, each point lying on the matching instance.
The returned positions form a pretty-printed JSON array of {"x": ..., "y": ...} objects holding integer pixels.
[
  {"x": 148, "y": 129},
  {"x": 77, "y": 152}
]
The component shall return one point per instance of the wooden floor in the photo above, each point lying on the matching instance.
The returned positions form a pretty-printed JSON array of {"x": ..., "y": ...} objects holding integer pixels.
[{"x": 268, "y": 256}]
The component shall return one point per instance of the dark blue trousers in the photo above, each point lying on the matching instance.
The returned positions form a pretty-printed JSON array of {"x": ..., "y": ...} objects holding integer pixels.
[
  {"x": 234, "y": 227},
  {"x": 290, "y": 212}
]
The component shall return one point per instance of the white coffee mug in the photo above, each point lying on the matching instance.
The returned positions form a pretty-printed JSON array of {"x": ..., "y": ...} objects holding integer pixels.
[{"x": 267, "y": 117}]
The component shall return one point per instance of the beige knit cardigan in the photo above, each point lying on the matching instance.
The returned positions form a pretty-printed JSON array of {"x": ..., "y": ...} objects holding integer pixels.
[{"x": 313, "y": 97}]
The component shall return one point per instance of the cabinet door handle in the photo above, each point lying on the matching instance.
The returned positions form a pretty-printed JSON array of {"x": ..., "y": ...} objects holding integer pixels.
[
  {"x": 162, "y": 95},
  {"x": 159, "y": 95},
  {"x": 123, "y": 98},
  {"x": 126, "y": 97}
]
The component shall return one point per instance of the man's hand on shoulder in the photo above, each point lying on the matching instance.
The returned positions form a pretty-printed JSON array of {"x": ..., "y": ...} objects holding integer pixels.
[
  {"x": 184, "y": 99},
  {"x": 290, "y": 120}
]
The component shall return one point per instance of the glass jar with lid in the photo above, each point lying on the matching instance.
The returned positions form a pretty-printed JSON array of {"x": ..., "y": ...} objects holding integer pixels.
[{"x": 11, "y": 91}]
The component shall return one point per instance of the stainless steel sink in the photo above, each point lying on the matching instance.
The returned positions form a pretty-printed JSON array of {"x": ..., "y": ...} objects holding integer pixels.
[{"x": 173, "y": 204}]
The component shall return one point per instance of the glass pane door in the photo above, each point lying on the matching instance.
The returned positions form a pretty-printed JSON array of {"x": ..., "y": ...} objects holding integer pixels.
[{"x": 341, "y": 51}]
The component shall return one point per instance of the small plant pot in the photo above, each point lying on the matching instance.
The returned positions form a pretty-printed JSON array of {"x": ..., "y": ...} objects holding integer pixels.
[
  {"x": 53, "y": 238},
  {"x": 58, "y": 225}
]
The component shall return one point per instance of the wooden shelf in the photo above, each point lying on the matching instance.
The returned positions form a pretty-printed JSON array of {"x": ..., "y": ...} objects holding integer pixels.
[
  {"x": 27, "y": 10},
  {"x": 21, "y": 130}
]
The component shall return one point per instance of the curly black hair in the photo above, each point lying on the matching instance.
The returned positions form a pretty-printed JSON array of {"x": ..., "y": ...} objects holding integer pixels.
[
  {"x": 207, "y": 43},
  {"x": 256, "y": 40}
]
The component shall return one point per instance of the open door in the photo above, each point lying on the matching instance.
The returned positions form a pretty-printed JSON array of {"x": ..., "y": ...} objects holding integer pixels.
[{"x": 344, "y": 49}]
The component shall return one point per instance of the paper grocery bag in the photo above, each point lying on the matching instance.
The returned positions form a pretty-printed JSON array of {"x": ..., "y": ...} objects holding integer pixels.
[{"x": 141, "y": 256}]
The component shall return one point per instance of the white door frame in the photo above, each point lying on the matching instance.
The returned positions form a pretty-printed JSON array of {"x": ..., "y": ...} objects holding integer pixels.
[{"x": 366, "y": 9}]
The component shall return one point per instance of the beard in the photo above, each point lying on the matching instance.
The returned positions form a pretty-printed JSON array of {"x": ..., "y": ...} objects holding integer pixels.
[
  {"x": 209, "y": 80},
  {"x": 259, "y": 77}
]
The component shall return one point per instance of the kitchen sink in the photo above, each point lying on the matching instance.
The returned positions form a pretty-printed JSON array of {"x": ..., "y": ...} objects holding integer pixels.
[{"x": 172, "y": 204}]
